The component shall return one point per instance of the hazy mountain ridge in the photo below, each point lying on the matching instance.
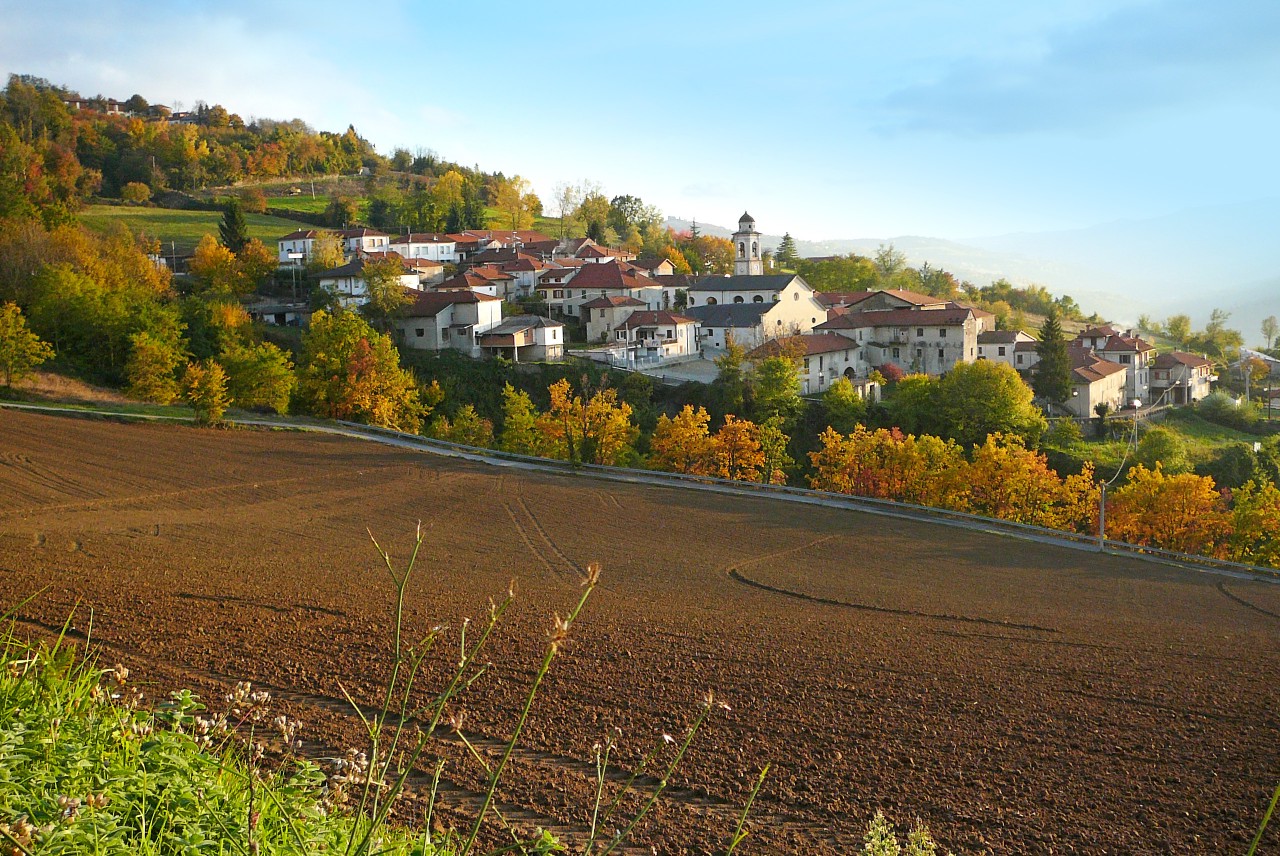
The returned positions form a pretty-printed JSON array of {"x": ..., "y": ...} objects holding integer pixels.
[{"x": 1191, "y": 261}]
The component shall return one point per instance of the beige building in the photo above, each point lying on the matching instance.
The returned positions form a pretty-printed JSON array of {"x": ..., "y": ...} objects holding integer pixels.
[
  {"x": 1094, "y": 381},
  {"x": 449, "y": 319},
  {"x": 1181, "y": 378},
  {"x": 606, "y": 313}
]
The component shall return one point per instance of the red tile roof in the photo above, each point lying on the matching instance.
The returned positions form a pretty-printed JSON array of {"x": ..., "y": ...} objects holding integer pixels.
[
  {"x": 612, "y": 300},
  {"x": 898, "y": 318},
  {"x": 1180, "y": 358},
  {"x": 655, "y": 318},
  {"x": 808, "y": 345},
  {"x": 429, "y": 303}
]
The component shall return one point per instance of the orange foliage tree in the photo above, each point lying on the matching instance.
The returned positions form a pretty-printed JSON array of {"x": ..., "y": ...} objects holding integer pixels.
[
  {"x": 595, "y": 431},
  {"x": 1255, "y": 519},
  {"x": 1011, "y": 482},
  {"x": 887, "y": 464},
  {"x": 735, "y": 450},
  {"x": 1182, "y": 512},
  {"x": 682, "y": 444}
]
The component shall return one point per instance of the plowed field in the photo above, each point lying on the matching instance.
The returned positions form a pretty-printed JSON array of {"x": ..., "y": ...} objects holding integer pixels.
[{"x": 1017, "y": 697}]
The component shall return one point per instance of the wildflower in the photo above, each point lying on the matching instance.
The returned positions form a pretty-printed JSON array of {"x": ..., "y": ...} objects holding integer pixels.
[
  {"x": 559, "y": 633},
  {"x": 593, "y": 574},
  {"x": 120, "y": 674}
]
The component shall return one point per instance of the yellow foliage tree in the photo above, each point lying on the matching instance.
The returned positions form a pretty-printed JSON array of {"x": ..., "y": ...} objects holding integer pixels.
[
  {"x": 682, "y": 444},
  {"x": 1008, "y": 481},
  {"x": 736, "y": 452},
  {"x": 1255, "y": 529},
  {"x": 597, "y": 431},
  {"x": 1182, "y": 512}
]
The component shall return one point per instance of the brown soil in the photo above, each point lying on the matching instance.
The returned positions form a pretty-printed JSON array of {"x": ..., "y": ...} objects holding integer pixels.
[{"x": 1016, "y": 697}]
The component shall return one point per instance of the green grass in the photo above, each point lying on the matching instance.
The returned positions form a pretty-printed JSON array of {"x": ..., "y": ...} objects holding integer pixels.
[
  {"x": 91, "y": 771},
  {"x": 183, "y": 229}
]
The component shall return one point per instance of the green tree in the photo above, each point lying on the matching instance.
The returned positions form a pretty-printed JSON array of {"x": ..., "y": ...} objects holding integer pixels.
[
  {"x": 1178, "y": 329},
  {"x": 786, "y": 256},
  {"x": 913, "y": 404},
  {"x": 730, "y": 383},
  {"x": 520, "y": 434},
  {"x": 775, "y": 389},
  {"x": 1162, "y": 446},
  {"x": 326, "y": 253},
  {"x": 258, "y": 375},
  {"x": 341, "y": 212},
  {"x": 135, "y": 192},
  {"x": 233, "y": 231},
  {"x": 983, "y": 398},
  {"x": 844, "y": 407},
  {"x": 1052, "y": 379},
  {"x": 204, "y": 386},
  {"x": 1270, "y": 327},
  {"x": 20, "y": 349}
]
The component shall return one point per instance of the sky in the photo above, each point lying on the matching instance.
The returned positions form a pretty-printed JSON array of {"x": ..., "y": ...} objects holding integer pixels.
[{"x": 823, "y": 119}]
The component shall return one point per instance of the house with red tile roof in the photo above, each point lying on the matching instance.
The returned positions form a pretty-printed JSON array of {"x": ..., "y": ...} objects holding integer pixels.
[
  {"x": 1094, "y": 381},
  {"x": 824, "y": 359},
  {"x": 1181, "y": 378},
  {"x": 296, "y": 247},
  {"x": 426, "y": 245},
  {"x": 348, "y": 285},
  {"x": 599, "y": 280},
  {"x": 525, "y": 338},
  {"x": 454, "y": 319},
  {"x": 360, "y": 239},
  {"x": 655, "y": 336},
  {"x": 930, "y": 339},
  {"x": 1126, "y": 349},
  {"x": 605, "y": 313}
]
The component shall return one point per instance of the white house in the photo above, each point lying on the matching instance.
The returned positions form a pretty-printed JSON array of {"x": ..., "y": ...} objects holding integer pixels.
[
  {"x": 1094, "y": 381},
  {"x": 658, "y": 335},
  {"x": 296, "y": 247},
  {"x": 775, "y": 288},
  {"x": 1001, "y": 346},
  {"x": 1126, "y": 349},
  {"x": 927, "y": 340},
  {"x": 362, "y": 240},
  {"x": 348, "y": 284},
  {"x": 449, "y": 319},
  {"x": 426, "y": 245},
  {"x": 599, "y": 280},
  {"x": 1181, "y": 378},
  {"x": 525, "y": 337}
]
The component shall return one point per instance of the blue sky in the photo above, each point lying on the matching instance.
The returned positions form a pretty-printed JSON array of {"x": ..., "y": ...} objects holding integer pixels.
[{"x": 825, "y": 119}]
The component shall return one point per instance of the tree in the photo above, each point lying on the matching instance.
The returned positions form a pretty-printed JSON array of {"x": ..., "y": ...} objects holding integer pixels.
[
  {"x": 258, "y": 376},
  {"x": 730, "y": 383},
  {"x": 135, "y": 192},
  {"x": 467, "y": 428},
  {"x": 1255, "y": 524},
  {"x": 735, "y": 451},
  {"x": 1270, "y": 327},
  {"x": 327, "y": 253},
  {"x": 1165, "y": 448},
  {"x": 214, "y": 265},
  {"x": 1183, "y": 512},
  {"x": 913, "y": 405},
  {"x": 515, "y": 200},
  {"x": 341, "y": 212},
  {"x": 387, "y": 295},
  {"x": 775, "y": 461},
  {"x": 1178, "y": 329},
  {"x": 595, "y": 431},
  {"x": 233, "y": 231},
  {"x": 775, "y": 388},
  {"x": 204, "y": 386},
  {"x": 350, "y": 371},
  {"x": 1052, "y": 380},
  {"x": 152, "y": 366},
  {"x": 567, "y": 198},
  {"x": 786, "y": 256},
  {"x": 520, "y": 434},
  {"x": 682, "y": 444},
  {"x": 20, "y": 349},
  {"x": 844, "y": 407},
  {"x": 987, "y": 397}
]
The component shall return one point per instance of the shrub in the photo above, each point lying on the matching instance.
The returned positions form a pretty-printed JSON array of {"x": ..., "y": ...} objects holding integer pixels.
[
  {"x": 204, "y": 386},
  {"x": 135, "y": 192},
  {"x": 1223, "y": 409}
]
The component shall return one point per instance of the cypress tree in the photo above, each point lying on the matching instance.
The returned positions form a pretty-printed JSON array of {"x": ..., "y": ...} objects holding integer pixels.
[
  {"x": 233, "y": 230},
  {"x": 786, "y": 254},
  {"x": 1052, "y": 379}
]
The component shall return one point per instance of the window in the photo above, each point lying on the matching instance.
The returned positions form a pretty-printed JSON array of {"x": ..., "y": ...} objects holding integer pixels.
[
  {"x": 806, "y": 365},
  {"x": 711, "y": 301},
  {"x": 1124, "y": 358},
  {"x": 742, "y": 250},
  {"x": 941, "y": 356},
  {"x": 897, "y": 353},
  {"x": 1019, "y": 359},
  {"x": 757, "y": 299},
  {"x": 919, "y": 332},
  {"x": 738, "y": 299},
  {"x": 559, "y": 292},
  {"x": 1000, "y": 351},
  {"x": 755, "y": 250},
  {"x": 942, "y": 332},
  {"x": 795, "y": 295},
  {"x": 419, "y": 332}
]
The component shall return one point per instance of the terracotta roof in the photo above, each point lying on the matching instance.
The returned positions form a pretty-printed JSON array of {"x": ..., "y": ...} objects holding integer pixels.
[
  {"x": 655, "y": 318},
  {"x": 1126, "y": 343},
  {"x": 556, "y": 273},
  {"x": 362, "y": 232},
  {"x": 1086, "y": 367},
  {"x": 999, "y": 337},
  {"x": 651, "y": 263},
  {"x": 612, "y": 300},
  {"x": 429, "y": 303},
  {"x": 816, "y": 343},
  {"x": 609, "y": 275},
  {"x": 913, "y": 296},
  {"x": 1180, "y": 358},
  {"x": 897, "y": 318}
]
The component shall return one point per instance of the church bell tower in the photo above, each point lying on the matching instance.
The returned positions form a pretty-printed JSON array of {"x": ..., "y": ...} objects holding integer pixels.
[{"x": 746, "y": 248}]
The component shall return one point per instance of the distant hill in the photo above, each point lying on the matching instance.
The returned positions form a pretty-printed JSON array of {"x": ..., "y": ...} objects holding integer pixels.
[{"x": 1192, "y": 261}]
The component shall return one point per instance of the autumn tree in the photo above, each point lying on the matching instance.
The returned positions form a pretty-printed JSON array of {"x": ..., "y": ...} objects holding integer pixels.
[
  {"x": 135, "y": 192},
  {"x": 515, "y": 200},
  {"x": 220, "y": 273},
  {"x": 595, "y": 431},
  {"x": 735, "y": 451},
  {"x": 341, "y": 212},
  {"x": 1052, "y": 379},
  {"x": 350, "y": 371},
  {"x": 568, "y": 197},
  {"x": 204, "y": 387},
  {"x": 775, "y": 460},
  {"x": 327, "y": 252},
  {"x": 1008, "y": 481},
  {"x": 1185, "y": 512},
  {"x": 1255, "y": 524},
  {"x": 152, "y": 367},
  {"x": 233, "y": 231},
  {"x": 21, "y": 351},
  {"x": 682, "y": 444}
]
